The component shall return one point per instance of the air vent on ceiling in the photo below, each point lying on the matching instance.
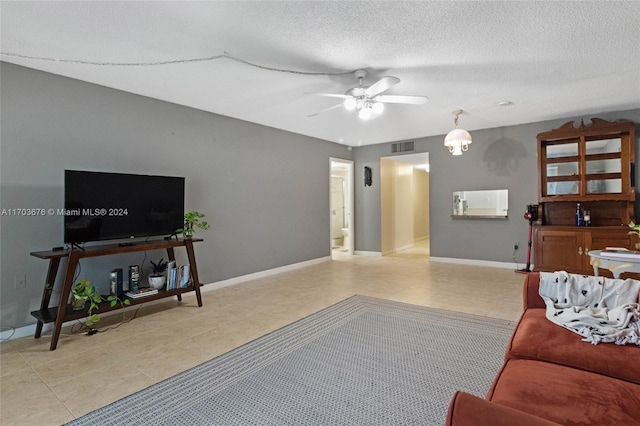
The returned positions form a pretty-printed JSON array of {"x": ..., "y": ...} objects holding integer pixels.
[{"x": 402, "y": 146}]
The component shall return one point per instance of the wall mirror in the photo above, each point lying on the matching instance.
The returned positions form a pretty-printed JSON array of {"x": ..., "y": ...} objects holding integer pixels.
[{"x": 488, "y": 204}]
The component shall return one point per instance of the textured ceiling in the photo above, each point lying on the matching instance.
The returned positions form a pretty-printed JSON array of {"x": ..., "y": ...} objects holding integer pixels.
[{"x": 550, "y": 59}]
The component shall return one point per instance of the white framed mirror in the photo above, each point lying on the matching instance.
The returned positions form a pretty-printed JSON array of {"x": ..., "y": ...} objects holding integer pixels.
[{"x": 493, "y": 203}]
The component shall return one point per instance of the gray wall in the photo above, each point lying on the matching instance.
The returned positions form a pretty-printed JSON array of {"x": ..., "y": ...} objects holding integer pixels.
[
  {"x": 497, "y": 159},
  {"x": 265, "y": 191}
]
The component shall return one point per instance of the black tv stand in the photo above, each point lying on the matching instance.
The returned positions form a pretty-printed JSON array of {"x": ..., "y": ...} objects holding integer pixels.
[{"x": 63, "y": 312}]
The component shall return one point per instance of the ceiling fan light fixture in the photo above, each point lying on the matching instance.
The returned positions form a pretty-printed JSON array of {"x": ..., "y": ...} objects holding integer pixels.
[
  {"x": 366, "y": 113},
  {"x": 368, "y": 101},
  {"x": 378, "y": 107},
  {"x": 457, "y": 140},
  {"x": 350, "y": 104}
]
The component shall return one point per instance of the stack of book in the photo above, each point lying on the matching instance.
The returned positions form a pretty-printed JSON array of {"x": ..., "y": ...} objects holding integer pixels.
[
  {"x": 142, "y": 292},
  {"x": 178, "y": 276},
  {"x": 620, "y": 253}
]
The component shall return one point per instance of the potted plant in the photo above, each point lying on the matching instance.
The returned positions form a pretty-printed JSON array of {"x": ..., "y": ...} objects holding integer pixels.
[
  {"x": 635, "y": 229},
  {"x": 192, "y": 220},
  {"x": 84, "y": 291},
  {"x": 157, "y": 279}
]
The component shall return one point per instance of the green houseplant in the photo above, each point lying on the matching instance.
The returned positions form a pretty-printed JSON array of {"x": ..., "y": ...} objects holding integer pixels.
[
  {"x": 635, "y": 229},
  {"x": 157, "y": 279},
  {"x": 84, "y": 291},
  {"x": 192, "y": 220}
]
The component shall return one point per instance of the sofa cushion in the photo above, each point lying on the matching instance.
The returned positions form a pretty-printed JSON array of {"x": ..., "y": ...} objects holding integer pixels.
[
  {"x": 531, "y": 292},
  {"x": 565, "y": 395},
  {"x": 538, "y": 338},
  {"x": 469, "y": 410}
]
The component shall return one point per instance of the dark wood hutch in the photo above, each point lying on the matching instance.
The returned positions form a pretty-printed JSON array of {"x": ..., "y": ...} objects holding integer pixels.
[{"x": 592, "y": 165}]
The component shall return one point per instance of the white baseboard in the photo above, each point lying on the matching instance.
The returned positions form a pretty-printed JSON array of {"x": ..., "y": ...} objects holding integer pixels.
[
  {"x": 29, "y": 330},
  {"x": 476, "y": 262},
  {"x": 10, "y": 333},
  {"x": 368, "y": 253},
  {"x": 262, "y": 274}
]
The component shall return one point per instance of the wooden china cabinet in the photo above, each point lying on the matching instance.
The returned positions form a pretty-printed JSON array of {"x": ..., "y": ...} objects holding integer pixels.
[{"x": 592, "y": 165}]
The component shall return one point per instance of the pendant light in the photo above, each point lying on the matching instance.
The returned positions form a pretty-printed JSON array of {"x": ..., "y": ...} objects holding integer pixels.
[{"x": 457, "y": 140}]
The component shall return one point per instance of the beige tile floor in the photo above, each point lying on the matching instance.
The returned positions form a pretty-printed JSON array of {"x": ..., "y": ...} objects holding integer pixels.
[{"x": 42, "y": 387}]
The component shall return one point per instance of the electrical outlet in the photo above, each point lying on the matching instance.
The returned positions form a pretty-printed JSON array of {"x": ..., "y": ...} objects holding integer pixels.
[{"x": 20, "y": 281}]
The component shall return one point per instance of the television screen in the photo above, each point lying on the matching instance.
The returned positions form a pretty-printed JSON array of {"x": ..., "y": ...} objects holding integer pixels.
[{"x": 104, "y": 206}]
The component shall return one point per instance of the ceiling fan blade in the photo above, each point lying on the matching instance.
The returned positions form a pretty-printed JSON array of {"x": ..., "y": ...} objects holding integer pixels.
[
  {"x": 325, "y": 110},
  {"x": 400, "y": 99},
  {"x": 381, "y": 85},
  {"x": 328, "y": 95}
]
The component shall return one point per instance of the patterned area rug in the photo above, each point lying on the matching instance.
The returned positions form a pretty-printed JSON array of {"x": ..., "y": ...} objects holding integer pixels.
[{"x": 362, "y": 361}]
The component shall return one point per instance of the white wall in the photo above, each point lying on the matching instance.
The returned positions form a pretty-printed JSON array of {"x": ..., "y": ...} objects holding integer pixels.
[
  {"x": 403, "y": 205},
  {"x": 420, "y": 204}
]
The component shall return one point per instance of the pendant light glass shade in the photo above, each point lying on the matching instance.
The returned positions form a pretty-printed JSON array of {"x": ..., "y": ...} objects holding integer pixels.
[{"x": 457, "y": 140}]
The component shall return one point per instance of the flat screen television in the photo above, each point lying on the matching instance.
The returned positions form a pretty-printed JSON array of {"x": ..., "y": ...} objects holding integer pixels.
[{"x": 105, "y": 206}]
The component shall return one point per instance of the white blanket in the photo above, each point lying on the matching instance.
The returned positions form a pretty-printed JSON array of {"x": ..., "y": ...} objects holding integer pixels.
[{"x": 597, "y": 308}]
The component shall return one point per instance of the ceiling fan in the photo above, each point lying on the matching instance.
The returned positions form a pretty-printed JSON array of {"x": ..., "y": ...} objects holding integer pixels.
[{"x": 368, "y": 100}]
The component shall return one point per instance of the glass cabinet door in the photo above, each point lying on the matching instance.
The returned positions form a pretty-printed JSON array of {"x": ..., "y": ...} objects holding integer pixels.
[
  {"x": 582, "y": 166},
  {"x": 562, "y": 168},
  {"x": 591, "y": 164},
  {"x": 603, "y": 166}
]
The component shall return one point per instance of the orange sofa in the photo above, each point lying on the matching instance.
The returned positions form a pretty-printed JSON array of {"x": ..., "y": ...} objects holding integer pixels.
[{"x": 550, "y": 376}]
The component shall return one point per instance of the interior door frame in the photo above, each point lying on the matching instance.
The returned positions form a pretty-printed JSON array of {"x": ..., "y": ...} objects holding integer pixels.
[{"x": 350, "y": 204}]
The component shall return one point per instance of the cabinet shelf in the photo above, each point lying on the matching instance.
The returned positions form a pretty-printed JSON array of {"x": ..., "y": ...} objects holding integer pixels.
[
  {"x": 576, "y": 198},
  {"x": 50, "y": 315}
]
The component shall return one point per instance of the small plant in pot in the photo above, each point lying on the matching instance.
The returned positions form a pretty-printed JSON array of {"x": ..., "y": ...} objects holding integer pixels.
[
  {"x": 157, "y": 279},
  {"x": 635, "y": 229},
  {"x": 193, "y": 220},
  {"x": 84, "y": 291}
]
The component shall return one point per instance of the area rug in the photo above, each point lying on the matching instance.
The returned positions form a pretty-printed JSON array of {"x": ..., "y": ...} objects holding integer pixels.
[{"x": 362, "y": 361}]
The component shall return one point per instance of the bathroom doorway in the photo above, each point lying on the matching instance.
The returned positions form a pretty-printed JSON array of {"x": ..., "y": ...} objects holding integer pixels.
[{"x": 341, "y": 204}]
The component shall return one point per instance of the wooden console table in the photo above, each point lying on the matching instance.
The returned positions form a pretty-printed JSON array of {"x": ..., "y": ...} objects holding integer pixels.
[{"x": 63, "y": 312}]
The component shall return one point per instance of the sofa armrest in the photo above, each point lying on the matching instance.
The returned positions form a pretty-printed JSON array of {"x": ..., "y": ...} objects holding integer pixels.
[
  {"x": 530, "y": 292},
  {"x": 469, "y": 410}
]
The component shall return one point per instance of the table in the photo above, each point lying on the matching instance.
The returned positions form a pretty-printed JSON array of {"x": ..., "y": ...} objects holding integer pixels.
[
  {"x": 59, "y": 314},
  {"x": 617, "y": 266}
]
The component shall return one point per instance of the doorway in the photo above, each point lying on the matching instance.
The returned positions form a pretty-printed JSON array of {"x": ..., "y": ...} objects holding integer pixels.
[
  {"x": 341, "y": 204},
  {"x": 404, "y": 203}
]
